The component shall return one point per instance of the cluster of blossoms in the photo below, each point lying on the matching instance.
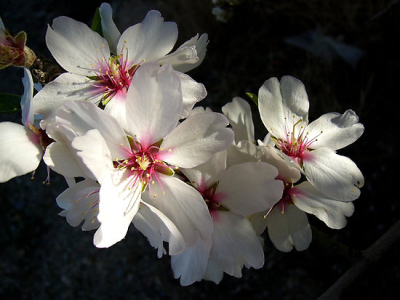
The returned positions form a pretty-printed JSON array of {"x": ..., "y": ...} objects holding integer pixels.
[{"x": 121, "y": 127}]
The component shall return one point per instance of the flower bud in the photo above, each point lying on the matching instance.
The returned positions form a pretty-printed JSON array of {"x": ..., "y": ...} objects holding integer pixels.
[{"x": 13, "y": 51}]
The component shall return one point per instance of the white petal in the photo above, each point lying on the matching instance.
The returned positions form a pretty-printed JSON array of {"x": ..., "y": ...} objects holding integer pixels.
[
  {"x": 119, "y": 203},
  {"x": 205, "y": 175},
  {"x": 75, "y": 46},
  {"x": 289, "y": 229},
  {"x": 244, "y": 151},
  {"x": 259, "y": 221},
  {"x": 312, "y": 201},
  {"x": 158, "y": 229},
  {"x": 20, "y": 150},
  {"x": 239, "y": 115},
  {"x": 97, "y": 159},
  {"x": 61, "y": 157},
  {"x": 294, "y": 97},
  {"x": 80, "y": 203},
  {"x": 191, "y": 264},
  {"x": 334, "y": 175},
  {"x": 82, "y": 116},
  {"x": 189, "y": 55},
  {"x": 335, "y": 131},
  {"x": 27, "y": 111},
  {"x": 235, "y": 244},
  {"x": 196, "y": 139},
  {"x": 183, "y": 205},
  {"x": 271, "y": 107},
  {"x": 110, "y": 30},
  {"x": 117, "y": 109},
  {"x": 149, "y": 40},
  {"x": 65, "y": 87},
  {"x": 250, "y": 187},
  {"x": 282, "y": 105},
  {"x": 213, "y": 272},
  {"x": 192, "y": 92},
  {"x": 289, "y": 171},
  {"x": 153, "y": 103}
]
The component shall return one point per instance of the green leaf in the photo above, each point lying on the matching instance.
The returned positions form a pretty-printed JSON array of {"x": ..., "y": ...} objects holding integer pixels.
[
  {"x": 96, "y": 23},
  {"x": 10, "y": 103},
  {"x": 253, "y": 98}
]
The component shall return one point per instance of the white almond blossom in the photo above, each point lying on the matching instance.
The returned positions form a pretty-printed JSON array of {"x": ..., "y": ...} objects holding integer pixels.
[
  {"x": 284, "y": 111},
  {"x": 187, "y": 57},
  {"x": 126, "y": 163},
  {"x": 98, "y": 74},
  {"x": 80, "y": 204},
  {"x": 287, "y": 221},
  {"x": 231, "y": 195},
  {"x": 121, "y": 127},
  {"x": 21, "y": 146}
]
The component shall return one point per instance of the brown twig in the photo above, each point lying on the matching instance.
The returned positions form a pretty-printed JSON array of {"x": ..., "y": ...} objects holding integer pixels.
[{"x": 369, "y": 257}]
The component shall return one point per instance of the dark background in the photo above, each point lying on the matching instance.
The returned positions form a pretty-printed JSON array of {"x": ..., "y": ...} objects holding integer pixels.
[{"x": 42, "y": 257}]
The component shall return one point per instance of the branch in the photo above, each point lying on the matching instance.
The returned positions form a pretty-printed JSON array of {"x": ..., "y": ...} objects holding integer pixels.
[{"x": 368, "y": 258}]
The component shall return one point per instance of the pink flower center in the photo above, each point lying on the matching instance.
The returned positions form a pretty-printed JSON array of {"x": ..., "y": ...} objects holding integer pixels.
[
  {"x": 213, "y": 200},
  {"x": 114, "y": 75},
  {"x": 286, "y": 197},
  {"x": 143, "y": 165},
  {"x": 297, "y": 144}
]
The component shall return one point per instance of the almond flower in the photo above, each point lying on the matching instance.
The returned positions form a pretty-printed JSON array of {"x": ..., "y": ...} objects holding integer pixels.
[
  {"x": 126, "y": 164},
  {"x": 102, "y": 73},
  {"x": 187, "y": 57},
  {"x": 287, "y": 220},
  {"x": 80, "y": 204},
  {"x": 231, "y": 194},
  {"x": 21, "y": 146},
  {"x": 284, "y": 111}
]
